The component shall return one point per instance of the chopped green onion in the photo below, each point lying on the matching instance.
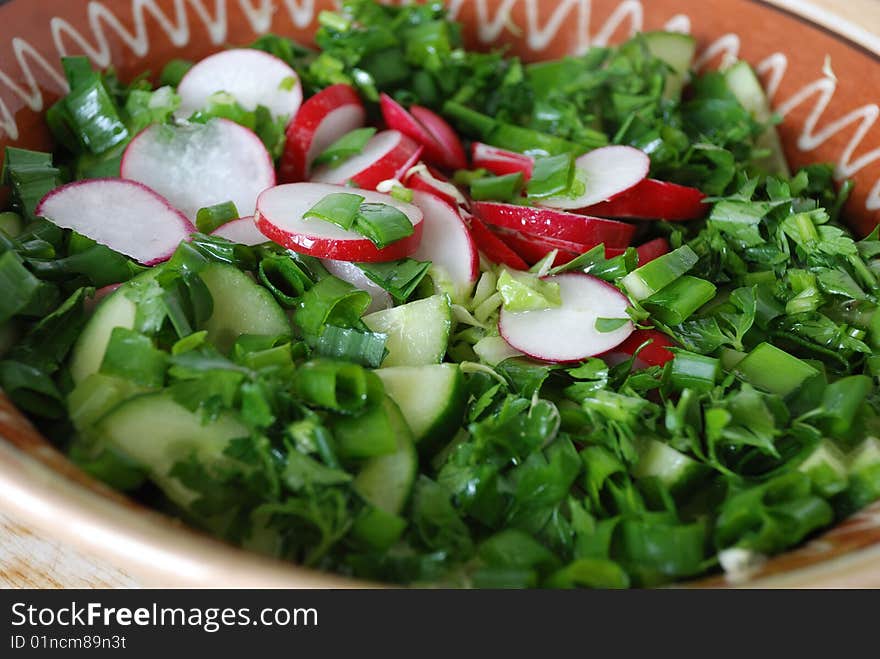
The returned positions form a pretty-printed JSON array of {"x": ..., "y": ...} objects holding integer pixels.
[
  {"x": 499, "y": 188},
  {"x": 333, "y": 385},
  {"x": 399, "y": 278},
  {"x": 174, "y": 71},
  {"x": 345, "y": 147},
  {"x": 675, "y": 303},
  {"x": 211, "y": 218},
  {"x": 90, "y": 111},
  {"x": 842, "y": 402},
  {"x": 692, "y": 371},
  {"x": 652, "y": 277},
  {"x": 331, "y": 301},
  {"x": 284, "y": 279},
  {"x": 31, "y": 389},
  {"x": 551, "y": 176},
  {"x": 605, "y": 325},
  {"x": 772, "y": 369},
  {"x": 340, "y": 208},
  {"x": 349, "y": 344},
  {"x": 334, "y": 21},
  {"x": 31, "y": 176},
  {"x": 383, "y": 224},
  {"x": 18, "y": 284},
  {"x": 402, "y": 194}
]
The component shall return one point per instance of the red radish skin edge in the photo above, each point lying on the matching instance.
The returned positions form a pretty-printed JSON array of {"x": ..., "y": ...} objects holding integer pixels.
[
  {"x": 474, "y": 255},
  {"x": 656, "y": 353},
  {"x": 419, "y": 180},
  {"x": 534, "y": 248},
  {"x": 495, "y": 249},
  {"x": 653, "y": 199},
  {"x": 500, "y": 161},
  {"x": 573, "y": 359},
  {"x": 301, "y": 132},
  {"x": 553, "y": 223},
  {"x": 187, "y": 228},
  {"x": 391, "y": 164},
  {"x": 398, "y": 118},
  {"x": 341, "y": 250},
  {"x": 451, "y": 154}
]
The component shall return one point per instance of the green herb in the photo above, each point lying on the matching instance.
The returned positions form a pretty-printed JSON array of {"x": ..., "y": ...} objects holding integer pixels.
[
  {"x": 345, "y": 147},
  {"x": 213, "y": 217},
  {"x": 340, "y": 208}
]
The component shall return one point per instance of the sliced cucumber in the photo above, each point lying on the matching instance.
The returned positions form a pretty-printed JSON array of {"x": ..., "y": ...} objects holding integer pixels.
[
  {"x": 241, "y": 306},
  {"x": 744, "y": 84},
  {"x": 672, "y": 468},
  {"x": 418, "y": 332},
  {"x": 677, "y": 50},
  {"x": 155, "y": 433},
  {"x": 826, "y": 467},
  {"x": 95, "y": 396},
  {"x": 431, "y": 399},
  {"x": 116, "y": 310},
  {"x": 386, "y": 481}
]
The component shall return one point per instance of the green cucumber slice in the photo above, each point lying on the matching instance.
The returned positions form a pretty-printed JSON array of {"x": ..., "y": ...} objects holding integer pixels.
[
  {"x": 677, "y": 50},
  {"x": 744, "y": 84},
  {"x": 241, "y": 306},
  {"x": 387, "y": 480},
  {"x": 431, "y": 398},
  {"x": 418, "y": 332},
  {"x": 155, "y": 432}
]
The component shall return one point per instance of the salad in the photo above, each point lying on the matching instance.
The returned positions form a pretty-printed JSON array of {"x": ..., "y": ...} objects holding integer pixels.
[{"x": 416, "y": 314}]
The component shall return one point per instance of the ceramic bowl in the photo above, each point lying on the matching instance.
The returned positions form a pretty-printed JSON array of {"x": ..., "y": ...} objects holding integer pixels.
[{"x": 821, "y": 72}]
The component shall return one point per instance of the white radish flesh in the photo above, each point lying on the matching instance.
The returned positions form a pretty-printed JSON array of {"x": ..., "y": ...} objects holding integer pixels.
[
  {"x": 280, "y": 213},
  {"x": 388, "y": 155},
  {"x": 125, "y": 216},
  {"x": 251, "y": 76},
  {"x": 568, "y": 333},
  {"x": 447, "y": 243},
  {"x": 605, "y": 172},
  {"x": 242, "y": 231},
  {"x": 349, "y": 272},
  {"x": 200, "y": 165}
]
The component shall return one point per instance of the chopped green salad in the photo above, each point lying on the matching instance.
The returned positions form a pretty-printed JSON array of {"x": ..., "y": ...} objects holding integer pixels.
[{"x": 410, "y": 313}]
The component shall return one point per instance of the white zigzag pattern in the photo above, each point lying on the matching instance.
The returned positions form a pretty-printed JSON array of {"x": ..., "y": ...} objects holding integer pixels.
[{"x": 492, "y": 24}]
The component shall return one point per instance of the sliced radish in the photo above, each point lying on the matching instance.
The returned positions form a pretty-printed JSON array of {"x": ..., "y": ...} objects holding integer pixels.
[
  {"x": 200, "y": 165},
  {"x": 652, "y": 249},
  {"x": 322, "y": 120},
  {"x": 280, "y": 213},
  {"x": 447, "y": 244},
  {"x": 388, "y": 155},
  {"x": 534, "y": 248},
  {"x": 653, "y": 199},
  {"x": 251, "y": 76},
  {"x": 500, "y": 161},
  {"x": 91, "y": 303},
  {"x": 552, "y": 223},
  {"x": 347, "y": 271},
  {"x": 655, "y": 353},
  {"x": 126, "y": 216},
  {"x": 495, "y": 249},
  {"x": 242, "y": 231},
  {"x": 605, "y": 173},
  {"x": 421, "y": 177},
  {"x": 568, "y": 333},
  {"x": 451, "y": 153}
]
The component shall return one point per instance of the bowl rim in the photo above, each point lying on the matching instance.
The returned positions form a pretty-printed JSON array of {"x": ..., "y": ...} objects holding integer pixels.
[{"x": 160, "y": 551}]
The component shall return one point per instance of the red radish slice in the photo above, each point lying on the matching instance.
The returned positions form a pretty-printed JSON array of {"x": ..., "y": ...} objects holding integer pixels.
[
  {"x": 495, "y": 249},
  {"x": 652, "y": 199},
  {"x": 421, "y": 177},
  {"x": 605, "y": 172},
  {"x": 398, "y": 118},
  {"x": 451, "y": 152},
  {"x": 280, "y": 213},
  {"x": 346, "y": 271},
  {"x": 552, "y": 223},
  {"x": 251, "y": 76},
  {"x": 447, "y": 244},
  {"x": 91, "y": 303},
  {"x": 242, "y": 231},
  {"x": 656, "y": 353},
  {"x": 534, "y": 248},
  {"x": 322, "y": 120},
  {"x": 388, "y": 155},
  {"x": 500, "y": 161},
  {"x": 568, "y": 333},
  {"x": 126, "y": 216},
  {"x": 652, "y": 249},
  {"x": 200, "y": 165}
]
